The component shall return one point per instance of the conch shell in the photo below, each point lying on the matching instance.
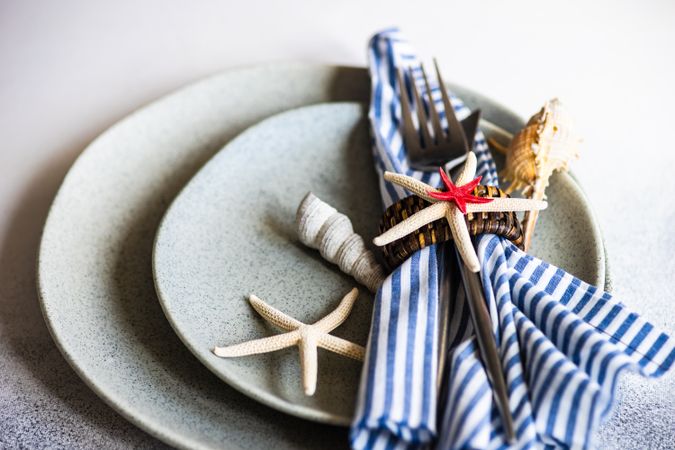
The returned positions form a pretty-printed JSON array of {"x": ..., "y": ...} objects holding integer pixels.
[{"x": 546, "y": 144}]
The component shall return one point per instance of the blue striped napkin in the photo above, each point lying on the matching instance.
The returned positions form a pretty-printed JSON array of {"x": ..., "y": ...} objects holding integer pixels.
[{"x": 563, "y": 342}]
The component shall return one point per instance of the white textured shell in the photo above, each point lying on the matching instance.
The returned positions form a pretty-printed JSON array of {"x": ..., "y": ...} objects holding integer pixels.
[
  {"x": 546, "y": 144},
  {"x": 322, "y": 227}
]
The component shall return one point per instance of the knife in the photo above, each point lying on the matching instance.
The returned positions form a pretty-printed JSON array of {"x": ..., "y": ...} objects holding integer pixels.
[{"x": 487, "y": 344}]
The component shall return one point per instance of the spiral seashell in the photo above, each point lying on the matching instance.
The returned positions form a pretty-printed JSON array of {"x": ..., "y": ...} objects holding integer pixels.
[
  {"x": 546, "y": 144},
  {"x": 322, "y": 227}
]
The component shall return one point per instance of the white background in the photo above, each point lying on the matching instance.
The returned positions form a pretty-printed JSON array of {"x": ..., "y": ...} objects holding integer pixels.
[{"x": 70, "y": 69}]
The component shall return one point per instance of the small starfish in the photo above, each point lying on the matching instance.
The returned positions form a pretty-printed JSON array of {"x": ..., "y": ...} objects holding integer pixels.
[
  {"x": 459, "y": 195},
  {"x": 307, "y": 337},
  {"x": 452, "y": 204}
]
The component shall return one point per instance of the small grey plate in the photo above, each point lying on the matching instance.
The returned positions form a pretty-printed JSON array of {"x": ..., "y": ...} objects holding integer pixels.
[{"x": 231, "y": 232}]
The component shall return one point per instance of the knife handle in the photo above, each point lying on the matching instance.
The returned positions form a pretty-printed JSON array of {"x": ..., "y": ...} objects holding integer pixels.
[
  {"x": 447, "y": 293},
  {"x": 487, "y": 345}
]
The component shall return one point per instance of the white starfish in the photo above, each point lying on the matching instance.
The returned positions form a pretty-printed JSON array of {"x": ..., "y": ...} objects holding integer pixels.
[
  {"x": 307, "y": 337},
  {"x": 450, "y": 209}
]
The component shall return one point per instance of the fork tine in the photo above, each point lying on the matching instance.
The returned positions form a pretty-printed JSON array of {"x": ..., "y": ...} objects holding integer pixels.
[
  {"x": 410, "y": 137},
  {"x": 439, "y": 135},
  {"x": 421, "y": 114},
  {"x": 455, "y": 132}
]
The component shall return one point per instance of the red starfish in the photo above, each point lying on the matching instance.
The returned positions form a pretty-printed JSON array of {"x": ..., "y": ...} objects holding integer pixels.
[{"x": 460, "y": 195}]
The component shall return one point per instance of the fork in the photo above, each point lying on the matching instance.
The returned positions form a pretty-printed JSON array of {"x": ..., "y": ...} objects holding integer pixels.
[
  {"x": 449, "y": 149},
  {"x": 427, "y": 152}
]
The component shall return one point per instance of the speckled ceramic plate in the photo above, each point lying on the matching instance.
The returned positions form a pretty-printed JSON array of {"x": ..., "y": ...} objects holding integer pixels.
[
  {"x": 231, "y": 232},
  {"x": 94, "y": 268}
]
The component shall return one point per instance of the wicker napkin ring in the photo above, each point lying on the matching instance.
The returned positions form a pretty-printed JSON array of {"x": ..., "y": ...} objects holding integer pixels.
[{"x": 504, "y": 224}]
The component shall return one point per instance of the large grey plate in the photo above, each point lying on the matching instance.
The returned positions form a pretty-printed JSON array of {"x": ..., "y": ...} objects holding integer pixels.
[
  {"x": 94, "y": 266},
  {"x": 230, "y": 232}
]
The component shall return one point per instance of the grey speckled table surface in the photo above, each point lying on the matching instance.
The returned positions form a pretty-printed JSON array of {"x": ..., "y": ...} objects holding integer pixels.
[{"x": 70, "y": 69}]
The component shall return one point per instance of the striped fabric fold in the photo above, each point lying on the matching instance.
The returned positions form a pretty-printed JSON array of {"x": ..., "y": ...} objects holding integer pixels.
[
  {"x": 397, "y": 399},
  {"x": 563, "y": 345},
  {"x": 563, "y": 342}
]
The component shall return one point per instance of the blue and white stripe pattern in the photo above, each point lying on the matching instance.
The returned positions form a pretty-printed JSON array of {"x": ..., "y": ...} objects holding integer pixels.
[
  {"x": 397, "y": 403},
  {"x": 563, "y": 342}
]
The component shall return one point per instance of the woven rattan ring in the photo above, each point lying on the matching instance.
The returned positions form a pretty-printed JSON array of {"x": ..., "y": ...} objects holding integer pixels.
[{"x": 504, "y": 224}]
